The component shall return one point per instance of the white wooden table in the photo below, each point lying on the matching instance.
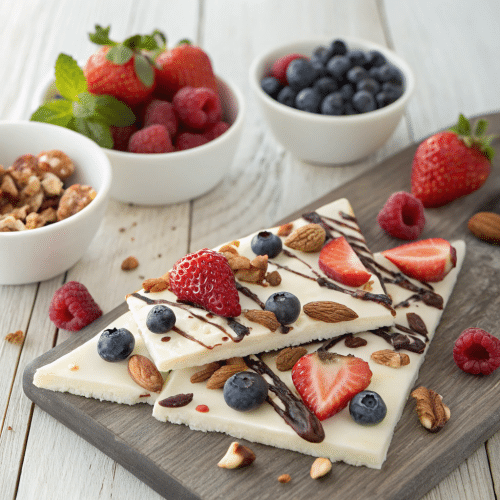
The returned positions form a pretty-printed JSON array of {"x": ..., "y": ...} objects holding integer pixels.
[{"x": 453, "y": 47}]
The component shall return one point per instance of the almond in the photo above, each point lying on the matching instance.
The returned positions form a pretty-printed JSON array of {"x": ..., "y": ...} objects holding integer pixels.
[
  {"x": 130, "y": 263},
  {"x": 308, "y": 238},
  {"x": 388, "y": 357},
  {"x": 204, "y": 373},
  {"x": 285, "y": 229},
  {"x": 431, "y": 410},
  {"x": 264, "y": 318},
  {"x": 320, "y": 467},
  {"x": 219, "y": 377},
  {"x": 485, "y": 226},
  {"x": 143, "y": 372},
  {"x": 287, "y": 357},
  {"x": 329, "y": 312},
  {"x": 237, "y": 456}
]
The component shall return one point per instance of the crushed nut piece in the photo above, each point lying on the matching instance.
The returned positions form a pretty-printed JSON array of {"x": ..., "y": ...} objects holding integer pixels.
[
  {"x": 15, "y": 338},
  {"x": 285, "y": 229},
  {"x": 320, "y": 467},
  {"x": 155, "y": 285},
  {"x": 205, "y": 372},
  {"x": 287, "y": 357},
  {"x": 237, "y": 456},
  {"x": 273, "y": 278},
  {"x": 57, "y": 162},
  {"x": 74, "y": 199},
  {"x": 130, "y": 263},
  {"x": 431, "y": 410},
  {"x": 9, "y": 428},
  {"x": 368, "y": 286},
  {"x": 391, "y": 358},
  {"x": 284, "y": 478},
  {"x": 10, "y": 224}
]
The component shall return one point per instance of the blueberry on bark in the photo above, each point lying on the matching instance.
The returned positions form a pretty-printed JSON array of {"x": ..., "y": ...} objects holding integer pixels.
[
  {"x": 245, "y": 391},
  {"x": 160, "y": 319},
  {"x": 266, "y": 243},
  {"x": 367, "y": 408},
  {"x": 285, "y": 306},
  {"x": 115, "y": 344}
]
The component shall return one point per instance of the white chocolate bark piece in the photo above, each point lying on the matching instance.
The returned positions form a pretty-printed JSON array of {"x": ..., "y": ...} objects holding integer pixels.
[
  {"x": 345, "y": 440},
  {"x": 84, "y": 373},
  {"x": 211, "y": 337}
]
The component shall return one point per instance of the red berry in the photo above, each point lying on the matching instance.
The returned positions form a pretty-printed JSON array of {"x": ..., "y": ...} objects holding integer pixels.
[
  {"x": 152, "y": 139},
  {"x": 425, "y": 260},
  {"x": 339, "y": 261},
  {"x": 278, "y": 69},
  {"x": 477, "y": 352},
  {"x": 206, "y": 279},
  {"x": 161, "y": 113},
  {"x": 72, "y": 307},
  {"x": 327, "y": 381},
  {"x": 402, "y": 216},
  {"x": 216, "y": 130},
  {"x": 121, "y": 136},
  {"x": 189, "y": 140},
  {"x": 197, "y": 108}
]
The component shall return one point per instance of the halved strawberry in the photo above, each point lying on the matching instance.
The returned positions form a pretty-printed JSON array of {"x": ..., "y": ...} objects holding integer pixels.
[
  {"x": 425, "y": 260},
  {"x": 339, "y": 261},
  {"x": 327, "y": 381}
]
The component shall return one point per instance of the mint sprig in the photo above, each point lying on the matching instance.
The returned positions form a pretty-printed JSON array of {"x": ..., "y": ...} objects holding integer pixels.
[{"x": 79, "y": 110}]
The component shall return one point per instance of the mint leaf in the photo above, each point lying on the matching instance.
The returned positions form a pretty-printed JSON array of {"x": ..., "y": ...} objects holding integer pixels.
[
  {"x": 119, "y": 54},
  {"x": 97, "y": 131},
  {"x": 85, "y": 106},
  {"x": 57, "y": 112},
  {"x": 144, "y": 70},
  {"x": 70, "y": 80},
  {"x": 112, "y": 111},
  {"x": 101, "y": 36}
]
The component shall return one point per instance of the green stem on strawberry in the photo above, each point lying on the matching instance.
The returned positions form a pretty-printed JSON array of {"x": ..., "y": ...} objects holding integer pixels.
[{"x": 474, "y": 138}]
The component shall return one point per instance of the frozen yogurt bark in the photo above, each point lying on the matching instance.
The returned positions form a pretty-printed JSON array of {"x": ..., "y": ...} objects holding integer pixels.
[
  {"x": 201, "y": 337},
  {"x": 281, "y": 420},
  {"x": 84, "y": 373}
]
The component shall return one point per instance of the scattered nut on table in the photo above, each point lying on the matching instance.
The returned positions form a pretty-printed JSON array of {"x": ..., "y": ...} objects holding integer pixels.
[{"x": 237, "y": 456}]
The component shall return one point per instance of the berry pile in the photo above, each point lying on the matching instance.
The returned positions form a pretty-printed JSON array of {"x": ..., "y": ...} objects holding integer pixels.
[{"x": 335, "y": 80}]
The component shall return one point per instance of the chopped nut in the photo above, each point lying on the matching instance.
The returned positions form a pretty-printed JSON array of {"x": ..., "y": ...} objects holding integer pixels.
[
  {"x": 34, "y": 220},
  {"x": 237, "y": 456},
  {"x": 320, "y": 467},
  {"x": 155, "y": 285},
  {"x": 388, "y": 357},
  {"x": 287, "y": 357},
  {"x": 9, "y": 189},
  {"x": 74, "y": 199},
  {"x": 10, "y": 224},
  {"x": 33, "y": 187},
  {"x": 130, "y": 263},
  {"x": 431, "y": 410},
  {"x": 57, "y": 162},
  {"x": 368, "y": 286},
  {"x": 285, "y": 229},
  {"x": 15, "y": 338},
  {"x": 51, "y": 184},
  {"x": 273, "y": 278},
  {"x": 284, "y": 478}
]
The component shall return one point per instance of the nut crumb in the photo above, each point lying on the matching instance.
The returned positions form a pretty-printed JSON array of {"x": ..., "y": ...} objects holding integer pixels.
[
  {"x": 130, "y": 263},
  {"x": 15, "y": 338},
  {"x": 9, "y": 428},
  {"x": 284, "y": 478}
]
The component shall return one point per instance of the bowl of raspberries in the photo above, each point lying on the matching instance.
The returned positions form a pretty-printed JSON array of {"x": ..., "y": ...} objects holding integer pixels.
[
  {"x": 332, "y": 101},
  {"x": 169, "y": 125}
]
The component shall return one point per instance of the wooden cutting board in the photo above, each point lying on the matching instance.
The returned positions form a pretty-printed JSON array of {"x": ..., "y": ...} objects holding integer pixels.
[{"x": 181, "y": 464}]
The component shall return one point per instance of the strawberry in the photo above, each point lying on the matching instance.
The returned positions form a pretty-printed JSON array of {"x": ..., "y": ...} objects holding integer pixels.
[
  {"x": 184, "y": 65},
  {"x": 425, "y": 260},
  {"x": 327, "y": 381},
  {"x": 279, "y": 67},
  {"x": 121, "y": 70},
  {"x": 339, "y": 261},
  {"x": 206, "y": 279},
  {"x": 451, "y": 164}
]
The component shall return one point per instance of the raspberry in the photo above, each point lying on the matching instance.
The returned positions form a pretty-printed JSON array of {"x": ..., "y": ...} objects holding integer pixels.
[
  {"x": 278, "y": 69},
  {"x": 198, "y": 107},
  {"x": 216, "y": 130},
  {"x": 206, "y": 279},
  {"x": 402, "y": 216},
  {"x": 152, "y": 139},
  {"x": 477, "y": 352},
  {"x": 188, "y": 140},
  {"x": 161, "y": 113},
  {"x": 121, "y": 136},
  {"x": 72, "y": 307}
]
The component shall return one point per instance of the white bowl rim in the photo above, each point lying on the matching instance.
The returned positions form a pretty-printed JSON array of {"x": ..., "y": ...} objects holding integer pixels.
[
  {"x": 101, "y": 196},
  {"x": 357, "y": 43}
]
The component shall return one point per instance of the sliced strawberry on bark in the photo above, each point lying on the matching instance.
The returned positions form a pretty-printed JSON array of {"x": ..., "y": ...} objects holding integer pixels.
[
  {"x": 327, "y": 381},
  {"x": 425, "y": 260},
  {"x": 339, "y": 261}
]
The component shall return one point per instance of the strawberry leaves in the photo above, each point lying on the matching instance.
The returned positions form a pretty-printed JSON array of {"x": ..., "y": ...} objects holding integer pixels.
[
  {"x": 79, "y": 110},
  {"x": 474, "y": 138}
]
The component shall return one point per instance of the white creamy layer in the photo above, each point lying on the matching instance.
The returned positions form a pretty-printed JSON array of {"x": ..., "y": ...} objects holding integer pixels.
[
  {"x": 214, "y": 336},
  {"x": 344, "y": 440},
  {"x": 84, "y": 373}
]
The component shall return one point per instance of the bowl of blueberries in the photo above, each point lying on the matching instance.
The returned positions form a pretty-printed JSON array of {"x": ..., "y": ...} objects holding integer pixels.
[{"x": 332, "y": 102}]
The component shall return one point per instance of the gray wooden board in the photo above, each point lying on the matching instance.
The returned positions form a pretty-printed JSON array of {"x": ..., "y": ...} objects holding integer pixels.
[{"x": 181, "y": 464}]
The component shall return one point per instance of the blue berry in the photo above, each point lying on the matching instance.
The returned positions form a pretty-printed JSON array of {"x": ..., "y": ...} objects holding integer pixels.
[
  {"x": 363, "y": 101},
  {"x": 115, "y": 344},
  {"x": 325, "y": 85},
  {"x": 245, "y": 391},
  {"x": 287, "y": 96},
  {"x": 333, "y": 104},
  {"x": 357, "y": 57},
  {"x": 338, "y": 66},
  {"x": 300, "y": 73},
  {"x": 319, "y": 69},
  {"x": 160, "y": 319},
  {"x": 322, "y": 54},
  {"x": 389, "y": 73},
  {"x": 285, "y": 306},
  {"x": 356, "y": 74},
  {"x": 338, "y": 47},
  {"x": 266, "y": 243},
  {"x": 308, "y": 100},
  {"x": 347, "y": 91},
  {"x": 368, "y": 84},
  {"x": 374, "y": 58},
  {"x": 367, "y": 408},
  {"x": 349, "y": 109},
  {"x": 271, "y": 86}
]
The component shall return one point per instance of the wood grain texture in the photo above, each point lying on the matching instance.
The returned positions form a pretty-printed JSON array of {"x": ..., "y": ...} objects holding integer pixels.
[{"x": 158, "y": 452}]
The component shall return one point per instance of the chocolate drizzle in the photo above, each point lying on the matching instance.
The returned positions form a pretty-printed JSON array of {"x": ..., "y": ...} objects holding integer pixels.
[{"x": 296, "y": 414}]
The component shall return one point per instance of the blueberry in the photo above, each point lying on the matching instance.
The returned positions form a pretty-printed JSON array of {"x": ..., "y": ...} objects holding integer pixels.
[
  {"x": 322, "y": 54},
  {"x": 349, "y": 109},
  {"x": 266, "y": 243},
  {"x": 374, "y": 58},
  {"x": 115, "y": 344},
  {"x": 396, "y": 91},
  {"x": 374, "y": 73},
  {"x": 363, "y": 101},
  {"x": 356, "y": 74},
  {"x": 271, "y": 86},
  {"x": 287, "y": 96},
  {"x": 245, "y": 391},
  {"x": 338, "y": 47},
  {"x": 300, "y": 73},
  {"x": 308, "y": 100},
  {"x": 347, "y": 91},
  {"x": 367, "y": 408},
  {"x": 325, "y": 85},
  {"x": 357, "y": 57},
  {"x": 285, "y": 306},
  {"x": 319, "y": 69},
  {"x": 338, "y": 66},
  {"x": 368, "y": 84},
  {"x": 160, "y": 319},
  {"x": 389, "y": 73},
  {"x": 333, "y": 104}
]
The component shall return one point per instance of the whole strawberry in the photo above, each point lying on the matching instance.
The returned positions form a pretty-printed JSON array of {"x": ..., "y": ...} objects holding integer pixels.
[
  {"x": 451, "y": 164},
  {"x": 184, "y": 65},
  {"x": 122, "y": 70}
]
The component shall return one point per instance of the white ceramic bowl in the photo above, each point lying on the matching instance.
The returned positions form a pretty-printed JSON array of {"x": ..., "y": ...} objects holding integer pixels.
[
  {"x": 324, "y": 139},
  {"x": 159, "y": 179},
  {"x": 39, "y": 254}
]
